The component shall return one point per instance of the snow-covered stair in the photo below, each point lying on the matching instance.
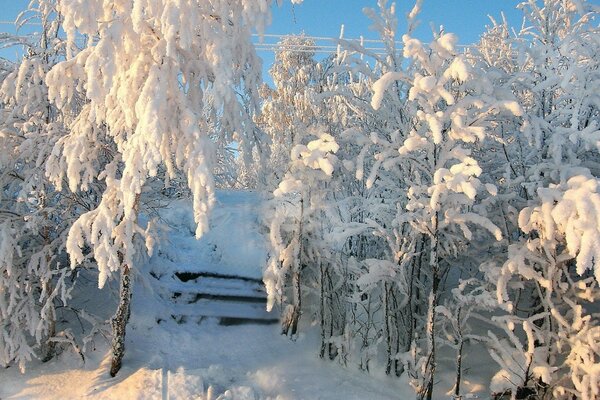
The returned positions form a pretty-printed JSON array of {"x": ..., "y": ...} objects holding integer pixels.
[
  {"x": 231, "y": 299},
  {"x": 216, "y": 276}
]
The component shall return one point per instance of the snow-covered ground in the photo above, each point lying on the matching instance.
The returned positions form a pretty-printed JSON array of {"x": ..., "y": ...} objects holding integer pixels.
[
  {"x": 189, "y": 361},
  {"x": 233, "y": 246},
  {"x": 168, "y": 360}
]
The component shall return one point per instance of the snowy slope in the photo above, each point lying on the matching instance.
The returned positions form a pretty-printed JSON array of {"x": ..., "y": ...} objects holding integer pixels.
[
  {"x": 168, "y": 360},
  {"x": 233, "y": 245}
]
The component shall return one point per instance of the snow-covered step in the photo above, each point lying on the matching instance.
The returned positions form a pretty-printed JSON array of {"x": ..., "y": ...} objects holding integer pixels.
[
  {"x": 196, "y": 276},
  {"x": 232, "y": 299},
  {"x": 192, "y": 296},
  {"x": 211, "y": 284},
  {"x": 190, "y": 287},
  {"x": 228, "y": 312},
  {"x": 210, "y": 288}
]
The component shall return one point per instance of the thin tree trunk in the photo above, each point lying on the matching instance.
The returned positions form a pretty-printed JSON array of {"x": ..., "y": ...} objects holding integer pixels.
[
  {"x": 333, "y": 350},
  {"x": 322, "y": 309},
  {"x": 427, "y": 390},
  {"x": 119, "y": 321},
  {"x": 292, "y": 314},
  {"x": 398, "y": 320},
  {"x": 458, "y": 369},
  {"x": 388, "y": 334},
  {"x": 49, "y": 345}
]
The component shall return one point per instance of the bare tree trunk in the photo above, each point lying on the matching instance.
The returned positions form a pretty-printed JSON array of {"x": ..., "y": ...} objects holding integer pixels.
[
  {"x": 292, "y": 314},
  {"x": 458, "y": 369},
  {"x": 335, "y": 319},
  {"x": 427, "y": 389},
  {"x": 365, "y": 357},
  {"x": 297, "y": 303},
  {"x": 388, "y": 333},
  {"x": 49, "y": 346},
  {"x": 322, "y": 312},
  {"x": 119, "y": 321},
  {"x": 410, "y": 313},
  {"x": 398, "y": 320}
]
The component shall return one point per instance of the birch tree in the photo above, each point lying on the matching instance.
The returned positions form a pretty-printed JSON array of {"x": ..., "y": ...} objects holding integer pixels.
[
  {"x": 33, "y": 217},
  {"x": 547, "y": 285},
  {"x": 145, "y": 73}
]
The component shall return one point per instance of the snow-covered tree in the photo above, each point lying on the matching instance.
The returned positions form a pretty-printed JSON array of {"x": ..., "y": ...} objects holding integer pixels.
[
  {"x": 547, "y": 286},
  {"x": 451, "y": 104},
  {"x": 33, "y": 217},
  {"x": 287, "y": 109},
  {"x": 295, "y": 227},
  {"x": 148, "y": 72},
  {"x": 308, "y": 216}
]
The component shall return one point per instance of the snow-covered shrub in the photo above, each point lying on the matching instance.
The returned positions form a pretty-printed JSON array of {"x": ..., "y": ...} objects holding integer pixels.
[
  {"x": 546, "y": 286},
  {"x": 297, "y": 231},
  {"x": 33, "y": 217}
]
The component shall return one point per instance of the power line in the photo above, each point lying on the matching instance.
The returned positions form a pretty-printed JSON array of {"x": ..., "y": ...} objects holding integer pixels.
[
  {"x": 308, "y": 46},
  {"x": 14, "y": 23},
  {"x": 316, "y": 50},
  {"x": 335, "y": 39},
  {"x": 325, "y": 52},
  {"x": 300, "y": 48},
  {"x": 264, "y": 35},
  {"x": 276, "y": 46}
]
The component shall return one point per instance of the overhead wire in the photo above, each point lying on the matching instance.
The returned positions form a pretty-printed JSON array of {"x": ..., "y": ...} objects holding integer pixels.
[
  {"x": 269, "y": 46},
  {"x": 256, "y": 35}
]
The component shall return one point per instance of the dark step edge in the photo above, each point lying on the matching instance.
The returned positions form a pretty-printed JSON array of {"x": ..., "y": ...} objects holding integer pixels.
[
  {"x": 183, "y": 318},
  {"x": 217, "y": 290},
  {"x": 220, "y": 297},
  {"x": 231, "y": 321},
  {"x": 187, "y": 276}
]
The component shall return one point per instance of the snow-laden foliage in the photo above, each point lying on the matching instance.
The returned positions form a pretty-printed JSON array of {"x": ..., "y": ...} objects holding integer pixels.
[
  {"x": 561, "y": 336},
  {"x": 147, "y": 72},
  {"x": 420, "y": 201},
  {"x": 548, "y": 285},
  {"x": 297, "y": 216},
  {"x": 451, "y": 105},
  {"x": 157, "y": 77},
  {"x": 33, "y": 217},
  {"x": 440, "y": 151},
  {"x": 142, "y": 91},
  {"x": 287, "y": 111}
]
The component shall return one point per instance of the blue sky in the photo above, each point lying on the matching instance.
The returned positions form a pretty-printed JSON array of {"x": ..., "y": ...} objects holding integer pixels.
[
  {"x": 323, "y": 18},
  {"x": 467, "y": 18}
]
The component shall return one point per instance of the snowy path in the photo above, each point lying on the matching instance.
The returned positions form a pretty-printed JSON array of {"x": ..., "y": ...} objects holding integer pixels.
[
  {"x": 233, "y": 246},
  {"x": 170, "y": 360},
  {"x": 218, "y": 276}
]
